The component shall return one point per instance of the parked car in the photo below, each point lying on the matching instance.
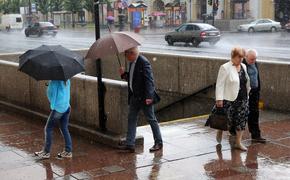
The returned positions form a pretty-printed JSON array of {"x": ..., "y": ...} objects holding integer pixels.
[
  {"x": 194, "y": 33},
  {"x": 260, "y": 25},
  {"x": 41, "y": 28},
  {"x": 287, "y": 26}
]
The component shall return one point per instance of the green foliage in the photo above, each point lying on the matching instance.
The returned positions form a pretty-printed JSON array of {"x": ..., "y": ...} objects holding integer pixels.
[
  {"x": 10, "y": 6},
  {"x": 89, "y": 5},
  {"x": 73, "y": 5},
  {"x": 56, "y": 5},
  {"x": 43, "y": 6}
]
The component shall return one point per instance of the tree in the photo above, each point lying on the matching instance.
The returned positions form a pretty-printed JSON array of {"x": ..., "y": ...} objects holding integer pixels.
[
  {"x": 282, "y": 11},
  {"x": 1, "y": 6},
  {"x": 10, "y": 6},
  {"x": 56, "y": 5},
  {"x": 43, "y": 7},
  {"x": 74, "y": 6},
  {"x": 89, "y": 5}
]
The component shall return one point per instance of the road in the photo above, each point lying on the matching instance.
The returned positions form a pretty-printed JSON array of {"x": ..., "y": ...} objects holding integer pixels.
[{"x": 271, "y": 46}]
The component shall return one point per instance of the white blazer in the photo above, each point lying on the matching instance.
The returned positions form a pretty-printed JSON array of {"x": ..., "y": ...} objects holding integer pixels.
[{"x": 228, "y": 82}]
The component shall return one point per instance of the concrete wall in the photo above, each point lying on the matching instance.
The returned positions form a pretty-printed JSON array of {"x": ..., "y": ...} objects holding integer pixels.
[
  {"x": 177, "y": 76},
  {"x": 19, "y": 89}
]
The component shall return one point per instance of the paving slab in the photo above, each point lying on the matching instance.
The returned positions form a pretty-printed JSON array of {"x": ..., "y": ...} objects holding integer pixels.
[{"x": 190, "y": 152}]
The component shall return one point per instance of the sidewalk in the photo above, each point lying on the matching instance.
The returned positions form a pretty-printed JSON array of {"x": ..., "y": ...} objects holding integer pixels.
[
  {"x": 144, "y": 32},
  {"x": 148, "y": 31},
  {"x": 190, "y": 152}
]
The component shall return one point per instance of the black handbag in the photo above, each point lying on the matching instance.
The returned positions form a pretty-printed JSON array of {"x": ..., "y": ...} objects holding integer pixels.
[{"x": 218, "y": 119}]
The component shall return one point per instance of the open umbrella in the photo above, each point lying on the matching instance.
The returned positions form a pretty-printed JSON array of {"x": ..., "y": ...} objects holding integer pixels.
[
  {"x": 51, "y": 63},
  {"x": 113, "y": 43},
  {"x": 110, "y": 18}
]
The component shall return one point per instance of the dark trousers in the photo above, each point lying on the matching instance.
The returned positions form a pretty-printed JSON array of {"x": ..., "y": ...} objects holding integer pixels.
[
  {"x": 135, "y": 107},
  {"x": 253, "y": 118}
]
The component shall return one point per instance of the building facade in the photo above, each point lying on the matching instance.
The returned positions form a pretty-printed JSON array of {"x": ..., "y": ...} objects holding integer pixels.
[
  {"x": 175, "y": 12},
  {"x": 246, "y": 9}
]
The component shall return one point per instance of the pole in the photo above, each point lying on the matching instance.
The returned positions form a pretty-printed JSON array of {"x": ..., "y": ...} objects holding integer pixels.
[
  {"x": 213, "y": 17},
  {"x": 101, "y": 87},
  {"x": 29, "y": 12},
  {"x": 102, "y": 12},
  {"x": 213, "y": 10},
  {"x": 190, "y": 10}
]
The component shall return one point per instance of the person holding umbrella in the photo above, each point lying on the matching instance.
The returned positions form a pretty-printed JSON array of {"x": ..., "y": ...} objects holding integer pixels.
[
  {"x": 58, "y": 93},
  {"x": 142, "y": 96},
  {"x": 56, "y": 64}
]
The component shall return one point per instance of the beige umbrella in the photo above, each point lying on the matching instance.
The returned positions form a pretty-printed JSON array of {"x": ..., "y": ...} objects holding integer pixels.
[{"x": 113, "y": 43}]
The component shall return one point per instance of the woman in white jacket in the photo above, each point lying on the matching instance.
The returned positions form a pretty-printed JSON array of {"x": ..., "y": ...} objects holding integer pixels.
[{"x": 232, "y": 89}]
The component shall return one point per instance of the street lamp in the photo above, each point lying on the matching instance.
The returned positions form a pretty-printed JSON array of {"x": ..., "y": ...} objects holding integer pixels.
[
  {"x": 190, "y": 10},
  {"x": 101, "y": 87},
  {"x": 29, "y": 12}
]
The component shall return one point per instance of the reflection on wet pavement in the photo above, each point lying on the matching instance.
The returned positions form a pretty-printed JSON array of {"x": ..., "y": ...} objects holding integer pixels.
[{"x": 190, "y": 152}]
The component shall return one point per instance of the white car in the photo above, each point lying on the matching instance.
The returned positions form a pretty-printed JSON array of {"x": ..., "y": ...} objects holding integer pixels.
[{"x": 260, "y": 25}]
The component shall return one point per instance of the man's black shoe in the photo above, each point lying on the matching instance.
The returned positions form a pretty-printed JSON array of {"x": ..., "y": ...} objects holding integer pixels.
[
  {"x": 259, "y": 140},
  {"x": 127, "y": 148},
  {"x": 156, "y": 147}
]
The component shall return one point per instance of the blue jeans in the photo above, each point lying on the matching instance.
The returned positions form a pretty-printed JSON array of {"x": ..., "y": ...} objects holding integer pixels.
[
  {"x": 54, "y": 118},
  {"x": 134, "y": 109}
]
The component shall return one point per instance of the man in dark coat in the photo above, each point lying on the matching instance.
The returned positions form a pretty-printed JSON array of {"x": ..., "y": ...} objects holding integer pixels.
[
  {"x": 254, "y": 96},
  {"x": 142, "y": 96}
]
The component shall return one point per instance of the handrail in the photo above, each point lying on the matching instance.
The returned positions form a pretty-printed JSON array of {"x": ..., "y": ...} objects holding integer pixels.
[{"x": 186, "y": 97}]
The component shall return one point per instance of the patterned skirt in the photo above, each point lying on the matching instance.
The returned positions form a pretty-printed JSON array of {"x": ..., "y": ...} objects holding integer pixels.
[{"x": 238, "y": 112}]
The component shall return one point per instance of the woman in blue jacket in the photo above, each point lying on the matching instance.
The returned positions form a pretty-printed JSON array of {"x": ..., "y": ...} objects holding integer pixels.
[{"x": 58, "y": 93}]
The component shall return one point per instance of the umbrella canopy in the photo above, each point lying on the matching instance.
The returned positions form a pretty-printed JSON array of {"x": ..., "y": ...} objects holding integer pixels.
[
  {"x": 51, "y": 63},
  {"x": 113, "y": 43},
  {"x": 111, "y": 18}
]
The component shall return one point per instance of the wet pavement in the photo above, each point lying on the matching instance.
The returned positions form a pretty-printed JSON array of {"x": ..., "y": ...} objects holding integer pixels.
[{"x": 190, "y": 152}]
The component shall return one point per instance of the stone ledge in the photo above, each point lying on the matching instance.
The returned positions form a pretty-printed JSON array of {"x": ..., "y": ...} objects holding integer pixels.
[{"x": 95, "y": 136}]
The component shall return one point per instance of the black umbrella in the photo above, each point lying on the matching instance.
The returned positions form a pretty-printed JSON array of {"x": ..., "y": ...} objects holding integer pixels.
[{"x": 51, "y": 63}]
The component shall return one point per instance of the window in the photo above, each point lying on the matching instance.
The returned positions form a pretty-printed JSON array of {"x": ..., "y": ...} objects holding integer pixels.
[
  {"x": 182, "y": 29},
  {"x": 190, "y": 28},
  {"x": 260, "y": 22},
  {"x": 196, "y": 28},
  {"x": 18, "y": 19},
  {"x": 36, "y": 25}
]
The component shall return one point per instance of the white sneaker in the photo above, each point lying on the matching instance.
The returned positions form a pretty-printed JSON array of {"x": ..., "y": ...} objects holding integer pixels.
[
  {"x": 42, "y": 154},
  {"x": 64, "y": 154}
]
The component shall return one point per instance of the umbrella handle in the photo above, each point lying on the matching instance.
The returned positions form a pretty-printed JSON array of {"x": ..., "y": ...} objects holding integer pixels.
[
  {"x": 125, "y": 63},
  {"x": 119, "y": 61}
]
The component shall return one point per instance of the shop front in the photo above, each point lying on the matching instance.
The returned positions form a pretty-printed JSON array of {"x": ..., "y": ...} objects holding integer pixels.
[
  {"x": 138, "y": 15},
  {"x": 173, "y": 14}
]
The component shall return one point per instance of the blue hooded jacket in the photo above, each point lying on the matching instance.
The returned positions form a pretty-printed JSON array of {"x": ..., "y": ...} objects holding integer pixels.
[{"x": 58, "y": 93}]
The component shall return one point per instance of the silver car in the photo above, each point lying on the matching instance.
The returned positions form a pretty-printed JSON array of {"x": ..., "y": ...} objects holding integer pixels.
[{"x": 260, "y": 25}]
